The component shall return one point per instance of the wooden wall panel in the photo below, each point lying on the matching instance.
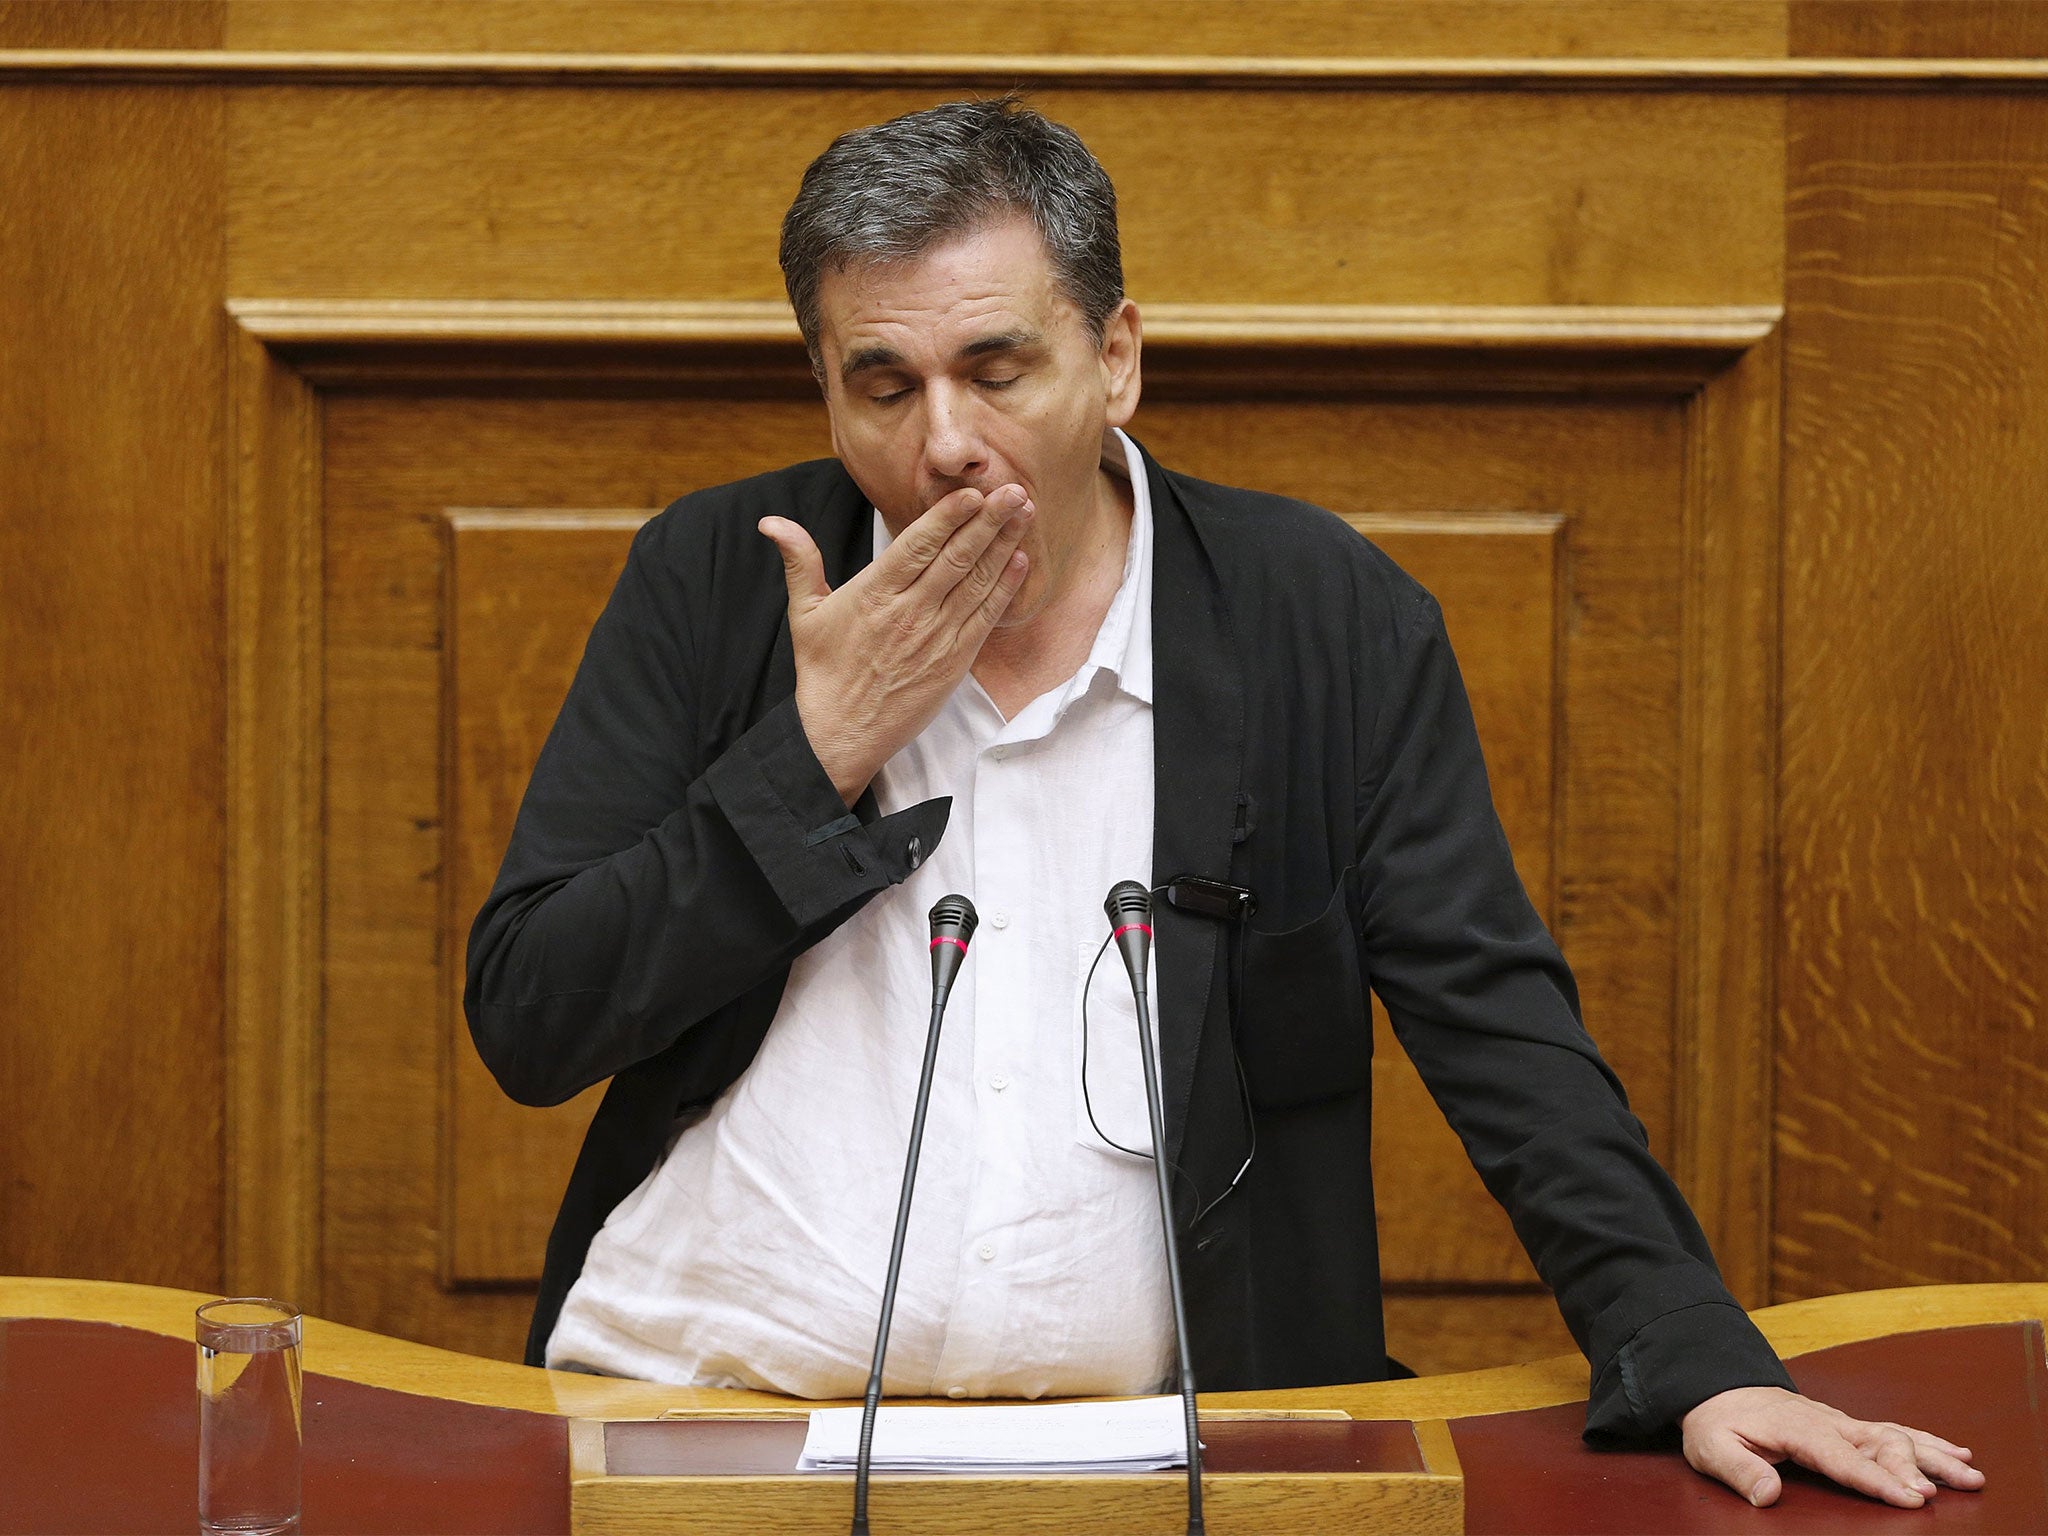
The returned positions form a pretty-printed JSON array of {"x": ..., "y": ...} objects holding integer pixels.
[
  {"x": 1908, "y": 864},
  {"x": 111, "y": 682},
  {"x": 523, "y": 589},
  {"x": 412, "y": 1212},
  {"x": 1611, "y": 476},
  {"x": 1923, "y": 29},
  {"x": 1913, "y": 1059},
  {"x": 112, "y": 23},
  {"x": 1365, "y": 28},
  {"x": 1322, "y": 197},
  {"x": 1616, "y": 474},
  {"x": 1502, "y": 582},
  {"x": 396, "y": 464}
]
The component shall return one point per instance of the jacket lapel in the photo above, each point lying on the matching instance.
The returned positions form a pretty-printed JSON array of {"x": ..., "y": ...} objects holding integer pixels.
[{"x": 1198, "y": 768}]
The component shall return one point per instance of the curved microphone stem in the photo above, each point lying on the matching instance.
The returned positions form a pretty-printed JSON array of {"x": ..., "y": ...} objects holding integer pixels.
[
  {"x": 1130, "y": 915},
  {"x": 953, "y": 923}
]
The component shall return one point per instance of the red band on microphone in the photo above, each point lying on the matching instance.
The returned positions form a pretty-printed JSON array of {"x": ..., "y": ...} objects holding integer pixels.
[
  {"x": 1144, "y": 928},
  {"x": 947, "y": 939}
]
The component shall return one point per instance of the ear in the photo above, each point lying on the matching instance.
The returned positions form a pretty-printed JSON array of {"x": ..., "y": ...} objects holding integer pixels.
[{"x": 1122, "y": 340}]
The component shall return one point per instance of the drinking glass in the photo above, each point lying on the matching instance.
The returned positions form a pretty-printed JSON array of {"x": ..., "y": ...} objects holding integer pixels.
[{"x": 249, "y": 1423}]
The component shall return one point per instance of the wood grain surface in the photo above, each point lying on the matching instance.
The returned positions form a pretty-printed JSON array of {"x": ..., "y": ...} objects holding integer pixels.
[
  {"x": 112, "y": 357},
  {"x": 1395, "y": 28},
  {"x": 1951, "y": 29},
  {"x": 1318, "y": 197},
  {"x": 396, "y": 464},
  {"x": 523, "y": 589},
  {"x": 1913, "y": 1056},
  {"x": 106, "y": 24},
  {"x": 1843, "y": 854},
  {"x": 1606, "y": 700}
]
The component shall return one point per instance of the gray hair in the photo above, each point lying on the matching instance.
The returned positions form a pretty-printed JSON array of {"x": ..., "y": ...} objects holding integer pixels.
[{"x": 893, "y": 191}]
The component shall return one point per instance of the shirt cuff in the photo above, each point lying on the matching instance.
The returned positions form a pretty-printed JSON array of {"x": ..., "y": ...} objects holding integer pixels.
[{"x": 818, "y": 857}]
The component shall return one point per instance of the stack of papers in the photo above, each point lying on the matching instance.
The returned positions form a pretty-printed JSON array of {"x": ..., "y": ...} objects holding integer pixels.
[{"x": 1145, "y": 1434}]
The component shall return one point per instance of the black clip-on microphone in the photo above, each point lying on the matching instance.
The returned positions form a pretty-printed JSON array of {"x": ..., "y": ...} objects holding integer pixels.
[
  {"x": 953, "y": 924},
  {"x": 1129, "y": 906}
]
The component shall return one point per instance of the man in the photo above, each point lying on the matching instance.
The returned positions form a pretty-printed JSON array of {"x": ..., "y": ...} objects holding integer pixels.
[{"x": 1006, "y": 653}]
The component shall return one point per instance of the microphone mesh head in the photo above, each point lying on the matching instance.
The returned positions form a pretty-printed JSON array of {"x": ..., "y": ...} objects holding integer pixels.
[
  {"x": 954, "y": 916},
  {"x": 1128, "y": 902}
]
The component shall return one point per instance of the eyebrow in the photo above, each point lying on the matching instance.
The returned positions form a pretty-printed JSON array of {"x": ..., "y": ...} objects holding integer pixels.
[{"x": 865, "y": 359}]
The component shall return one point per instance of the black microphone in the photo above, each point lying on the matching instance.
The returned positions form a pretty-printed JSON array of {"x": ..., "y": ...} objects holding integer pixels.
[
  {"x": 953, "y": 924},
  {"x": 1129, "y": 908}
]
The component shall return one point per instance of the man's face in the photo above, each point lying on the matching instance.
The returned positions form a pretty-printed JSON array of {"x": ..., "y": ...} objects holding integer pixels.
[{"x": 968, "y": 366}]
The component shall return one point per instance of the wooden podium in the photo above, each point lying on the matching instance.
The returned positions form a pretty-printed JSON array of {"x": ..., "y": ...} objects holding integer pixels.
[
  {"x": 99, "y": 1433},
  {"x": 1277, "y": 1472}
]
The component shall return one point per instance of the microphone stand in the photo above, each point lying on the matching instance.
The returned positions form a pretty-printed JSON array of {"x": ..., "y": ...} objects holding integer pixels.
[
  {"x": 1129, "y": 907},
  {"x": 953, "y": 924}
]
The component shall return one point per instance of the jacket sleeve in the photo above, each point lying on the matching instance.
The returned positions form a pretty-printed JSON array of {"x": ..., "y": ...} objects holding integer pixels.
[
  {"x": 1483, "y": 1003},
  {"x": 648, "y": 882}
]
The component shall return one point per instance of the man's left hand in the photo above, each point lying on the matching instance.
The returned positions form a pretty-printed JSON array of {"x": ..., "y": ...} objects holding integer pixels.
[{"x": 1741, "y": 1436}]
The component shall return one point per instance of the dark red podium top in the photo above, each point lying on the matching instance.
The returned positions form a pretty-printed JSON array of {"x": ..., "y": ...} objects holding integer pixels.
[
  {"x": 99, "y": 1433},
  {"x": 1982, "y": 1387}
]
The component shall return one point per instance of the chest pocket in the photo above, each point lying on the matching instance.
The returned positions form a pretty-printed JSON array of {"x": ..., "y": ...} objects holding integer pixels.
[{"x": 1304, "y": 1030}]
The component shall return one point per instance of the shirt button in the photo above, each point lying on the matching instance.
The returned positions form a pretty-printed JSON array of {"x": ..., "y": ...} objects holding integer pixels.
[
  {"x": 999, "y": 1082},
  {"x": 915, "y": 852},
  {"x": 1000, "y": 753},
  {"x": 987, "y": 1250},
  {"x": 1000, "y": 920},
  {"x": 956, "y": 1391}
]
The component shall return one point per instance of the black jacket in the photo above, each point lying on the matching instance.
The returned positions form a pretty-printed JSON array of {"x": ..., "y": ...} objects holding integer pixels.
[{"x": 679, "y": 845}]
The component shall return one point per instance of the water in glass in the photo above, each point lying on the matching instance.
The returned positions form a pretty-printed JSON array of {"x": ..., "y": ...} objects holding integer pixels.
[{"x": 249, "y": 1418}]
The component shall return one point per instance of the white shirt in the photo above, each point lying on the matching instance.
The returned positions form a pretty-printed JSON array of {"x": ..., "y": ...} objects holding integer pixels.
[{"x": 754, "y": 1254}]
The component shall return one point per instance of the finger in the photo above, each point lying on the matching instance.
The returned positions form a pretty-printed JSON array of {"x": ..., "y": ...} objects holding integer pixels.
[
  {"x": 1893, "y": 1450},
  {"x": 1720, "y": 1454},
  {"x": 1926, "y": 1441},
  {"x": 907, "y": 556},
  {"x": 992, "y": 606},
  {"x": 965, "y": 600},
  {"x": 1941, "y": 1460},
  {"x": 803, "y": 568},
  {"x": 1952, "y": 1470},
  {"x": 1004, "y": 511},
  {"x": 1831, "y": 1453}
]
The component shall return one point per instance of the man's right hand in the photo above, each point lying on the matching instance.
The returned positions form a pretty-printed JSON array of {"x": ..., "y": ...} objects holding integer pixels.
[{"x": 877, "y": 658}]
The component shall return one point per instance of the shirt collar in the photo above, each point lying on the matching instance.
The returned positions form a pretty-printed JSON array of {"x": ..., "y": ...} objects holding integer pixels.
[{"x": 1123, "y": 646}]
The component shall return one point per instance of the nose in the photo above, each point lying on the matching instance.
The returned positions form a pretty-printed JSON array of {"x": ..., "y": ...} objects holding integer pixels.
[{"x": 953, "y": 447}]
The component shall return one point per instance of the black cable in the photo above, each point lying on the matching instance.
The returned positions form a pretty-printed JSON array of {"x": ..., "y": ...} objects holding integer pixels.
[{"x": 1244, "y": 1092}]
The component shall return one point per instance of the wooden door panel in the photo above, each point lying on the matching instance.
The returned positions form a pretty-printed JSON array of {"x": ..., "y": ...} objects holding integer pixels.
[
  {"x": 1551, "y": 530},
  {"x": 523, "y": 589},
  {"x": 1498, "y": 580},
  {"x": 413, "y": 1245},
  {"x": 1547, "y": 529}
]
